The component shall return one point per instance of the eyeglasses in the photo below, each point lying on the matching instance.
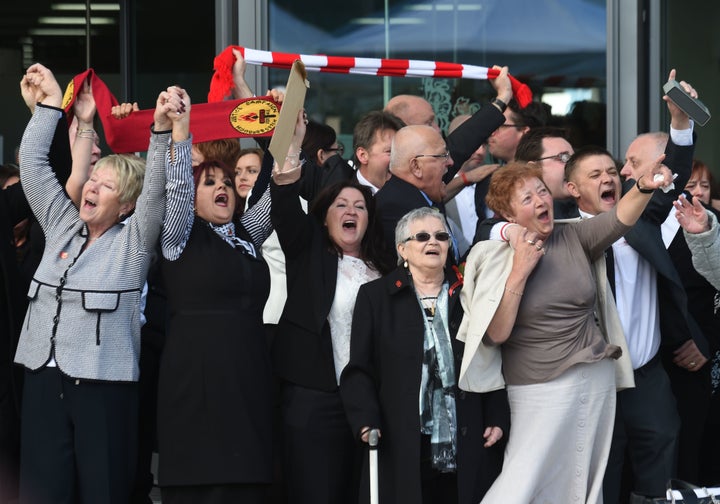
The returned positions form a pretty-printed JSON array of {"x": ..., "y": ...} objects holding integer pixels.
[
  {"x": 563, "y": 157},
  {"x": 423, "y": 236},
  {"x": 444, "y": 157},
  {"x": 340, "y": 149}
]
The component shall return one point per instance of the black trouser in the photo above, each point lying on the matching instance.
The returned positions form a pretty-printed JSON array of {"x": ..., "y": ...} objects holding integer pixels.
[
  {"x": 646, "y": 426},
  {"x": 78, "y": 440},
  {"x": 437, "y": 487},
  {"x": 214, "y": 494},
  {"x": 321, "y": 456},
  {"x": 692, "y": 394}
]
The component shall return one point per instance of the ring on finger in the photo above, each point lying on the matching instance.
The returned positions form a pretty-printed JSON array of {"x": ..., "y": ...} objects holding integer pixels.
[
  {"x": 531, "y": 242},
  {"x": 538, "y": 246},
  {"x": 692, "y": 364}
]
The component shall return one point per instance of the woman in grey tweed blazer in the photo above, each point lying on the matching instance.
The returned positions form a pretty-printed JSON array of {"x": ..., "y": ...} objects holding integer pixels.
[{"x": 80, "y": 339}]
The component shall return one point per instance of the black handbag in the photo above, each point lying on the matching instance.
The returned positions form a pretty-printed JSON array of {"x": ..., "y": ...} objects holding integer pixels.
[{"x": 681, "y": 492}]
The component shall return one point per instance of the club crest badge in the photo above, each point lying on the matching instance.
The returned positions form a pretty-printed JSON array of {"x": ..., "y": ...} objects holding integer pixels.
[{"x": 255, "y": 117}]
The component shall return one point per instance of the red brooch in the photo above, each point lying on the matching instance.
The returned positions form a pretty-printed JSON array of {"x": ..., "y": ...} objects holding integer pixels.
[
  {"x": 398, "y": 283},
  {"x": 459, "y": 281}
]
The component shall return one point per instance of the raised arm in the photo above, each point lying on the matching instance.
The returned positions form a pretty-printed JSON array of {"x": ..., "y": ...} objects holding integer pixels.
[
  {"x": 44, "y": 194},
  {"x": 633, "y": 203},
  {"x": 702, "y": 235},
  {"x": 257, "y": 219},
  {"x": 83, "y": 145},
  {"x": 471, "y": 134},
  {"x": 240, "y": 87},
  {"x": 172, "y": 116}
]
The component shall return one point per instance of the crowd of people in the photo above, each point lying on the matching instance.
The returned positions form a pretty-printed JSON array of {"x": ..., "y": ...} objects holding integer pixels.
[{"x": 518, "y": 318}]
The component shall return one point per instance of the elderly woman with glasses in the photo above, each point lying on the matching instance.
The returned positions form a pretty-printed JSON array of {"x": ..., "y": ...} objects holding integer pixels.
[
  {"x": 438, "y": 444},
  {"x": 537, "y": 318}
]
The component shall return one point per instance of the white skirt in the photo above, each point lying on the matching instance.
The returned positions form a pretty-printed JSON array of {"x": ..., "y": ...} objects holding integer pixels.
[{"x": 560, "y": 435}]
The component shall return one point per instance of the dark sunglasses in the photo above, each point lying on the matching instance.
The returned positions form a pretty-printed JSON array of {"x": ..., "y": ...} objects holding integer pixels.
[{"x": 423, "y": 236}]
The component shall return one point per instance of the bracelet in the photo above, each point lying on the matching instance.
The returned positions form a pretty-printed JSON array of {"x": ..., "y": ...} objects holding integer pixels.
[
  {"x": 464, "y": 178},
  {"x": 499, "y": 104},
  {"x": 645, "y": 190},
  {"x": 516, "y": 293},
  {"x": 85, "y": 133},
  {"x": 294, "y": 161},
  {"x": 502, "y": 231}
]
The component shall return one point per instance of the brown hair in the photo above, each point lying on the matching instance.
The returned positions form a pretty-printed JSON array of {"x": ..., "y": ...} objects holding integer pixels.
[
  {"x": 530, "y": 146},
  {"x": 370, "y": 124},
  {"x": 225, "y": 150},
  {"x": 504, "y": 182},
  {"x": 251, "y": 150}
]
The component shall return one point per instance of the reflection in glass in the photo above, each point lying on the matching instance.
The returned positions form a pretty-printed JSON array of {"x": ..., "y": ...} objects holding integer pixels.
[{"x": 552, "y": 45}]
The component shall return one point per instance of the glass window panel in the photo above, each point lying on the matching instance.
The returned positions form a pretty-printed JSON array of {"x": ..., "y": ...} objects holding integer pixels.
[{"x": 555, "y": 46}]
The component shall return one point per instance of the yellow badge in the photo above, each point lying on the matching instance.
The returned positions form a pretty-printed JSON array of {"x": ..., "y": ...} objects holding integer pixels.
[
  {"x": 69, "y": 91},
  {"x": 254, "y": 117}
]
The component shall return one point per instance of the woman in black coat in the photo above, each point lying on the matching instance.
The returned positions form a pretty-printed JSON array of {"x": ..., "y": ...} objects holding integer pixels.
[
  {"x": 214, "y": 386},
  {"x": 329, "y": 253},
  {"x": 438, "y": 444}
]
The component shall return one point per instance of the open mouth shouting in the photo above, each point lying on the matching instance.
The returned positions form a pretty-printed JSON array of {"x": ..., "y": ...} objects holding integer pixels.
[
  {"x": 89, "y": 203},
  {"x": 608, "y": 196},
  {"x": 221, "y": 199},
  {"x": 349, "y": 224},
  {"x": 544, "y": 216}
]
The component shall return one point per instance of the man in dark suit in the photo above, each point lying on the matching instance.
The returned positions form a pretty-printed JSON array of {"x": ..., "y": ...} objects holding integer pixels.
[
  {"x": 419, "y": 160},
  {"x": 651, "y": 304},
  {"x": 469, "y": 136}
]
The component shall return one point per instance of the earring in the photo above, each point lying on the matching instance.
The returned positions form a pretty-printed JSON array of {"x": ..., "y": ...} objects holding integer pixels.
[{"x": 405, "y": 264}]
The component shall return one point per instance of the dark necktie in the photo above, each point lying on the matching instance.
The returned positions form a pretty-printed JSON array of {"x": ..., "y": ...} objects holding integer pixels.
[
  {"x": 610, "y": 268},
  {"x": 453, "y": 241}
]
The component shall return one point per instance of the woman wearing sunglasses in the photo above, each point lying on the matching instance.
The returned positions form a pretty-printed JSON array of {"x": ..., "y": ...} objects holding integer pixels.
[{"x": 438, "y": 444}]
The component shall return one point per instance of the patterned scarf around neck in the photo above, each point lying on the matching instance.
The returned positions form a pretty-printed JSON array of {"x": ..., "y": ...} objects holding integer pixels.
[
  {"x": 437, "y": 399},
  {"x": 227, "y": 233}
]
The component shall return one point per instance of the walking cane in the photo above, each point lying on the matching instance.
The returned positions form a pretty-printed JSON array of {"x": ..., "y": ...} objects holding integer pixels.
[{"x": 373, "y": 439}]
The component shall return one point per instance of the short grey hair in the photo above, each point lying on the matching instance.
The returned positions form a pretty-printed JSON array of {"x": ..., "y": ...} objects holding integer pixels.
[{"x": 402, "y": 230}]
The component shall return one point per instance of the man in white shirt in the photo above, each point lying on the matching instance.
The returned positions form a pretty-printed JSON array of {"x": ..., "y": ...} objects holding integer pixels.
[
  {"x": 372, "y": 139},
  {"x": 650, "y": 301}
]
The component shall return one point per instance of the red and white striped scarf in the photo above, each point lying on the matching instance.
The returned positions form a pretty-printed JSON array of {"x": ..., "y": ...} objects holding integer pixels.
[{"x": 222, "y": 81}]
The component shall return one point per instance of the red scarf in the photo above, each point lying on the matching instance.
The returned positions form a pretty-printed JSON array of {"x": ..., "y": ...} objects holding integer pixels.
[{"x": 208, "y": 121}]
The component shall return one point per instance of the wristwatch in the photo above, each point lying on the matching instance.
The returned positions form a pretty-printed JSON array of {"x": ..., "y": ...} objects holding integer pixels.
[{"x": 500, "y": 104}]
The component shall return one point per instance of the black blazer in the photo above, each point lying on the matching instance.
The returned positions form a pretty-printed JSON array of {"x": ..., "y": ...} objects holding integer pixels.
[
  {"x": 470, "y": 135},
  {"x": 381, "y": 384},
  {"x": 395, "y": 199},
  {"x": 676, "y": 324},
  {"x": 302, "y": 349},
  {"x": 315, "y": 178}
]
